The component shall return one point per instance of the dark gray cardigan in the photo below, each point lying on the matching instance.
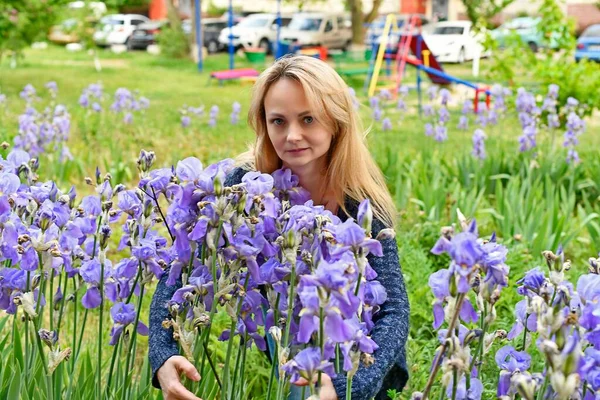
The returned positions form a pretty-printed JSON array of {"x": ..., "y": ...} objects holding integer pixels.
[{"x": 390, "y": 331}]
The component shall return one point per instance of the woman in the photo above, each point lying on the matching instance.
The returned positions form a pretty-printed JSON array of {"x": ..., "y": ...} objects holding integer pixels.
[{"x": 304, "y": 119}]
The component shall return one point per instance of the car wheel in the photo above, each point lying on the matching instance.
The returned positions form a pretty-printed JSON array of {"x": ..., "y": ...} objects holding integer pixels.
[
  {"x": 347, "y": 45},
  {"x": 212, "y": 46},
  {"x": 128, "y": 44},
  {"x": 533, "y": 46},
  {"x": 264, "y": 44},
  {"x": 461, "y": 56}
]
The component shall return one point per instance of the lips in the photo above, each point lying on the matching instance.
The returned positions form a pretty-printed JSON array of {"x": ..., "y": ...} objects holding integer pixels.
[{"x": 297, "y": 151}]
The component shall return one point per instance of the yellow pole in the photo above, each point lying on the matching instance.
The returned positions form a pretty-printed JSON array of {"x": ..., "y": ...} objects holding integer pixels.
[
  {"x": 426, "y": 54},
  {"x": 380, "y": 53}
]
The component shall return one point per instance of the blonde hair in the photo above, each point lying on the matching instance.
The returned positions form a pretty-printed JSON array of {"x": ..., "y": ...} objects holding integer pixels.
[{"x": 351, "y": 170}]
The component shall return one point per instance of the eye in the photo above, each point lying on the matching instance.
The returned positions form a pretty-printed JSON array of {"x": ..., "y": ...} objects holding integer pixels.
[
  {"x": 308, "y": 120},
  {"x": 277, "y": 121}
]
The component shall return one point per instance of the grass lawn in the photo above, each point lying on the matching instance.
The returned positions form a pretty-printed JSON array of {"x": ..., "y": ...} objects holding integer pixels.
[{"x": 428, "y": 179}]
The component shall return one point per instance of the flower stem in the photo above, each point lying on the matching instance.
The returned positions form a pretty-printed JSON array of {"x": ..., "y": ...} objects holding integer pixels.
[
  {"x": 321, "y": 339},
  {"x": 454, "y": 382},
  {"x": 525, "y": 332},
  {"x": 27, "y": 351},
  {"x": 541, "y": 393},
  {"x": 100, "y": 332},
  {"x": 133, "y": 336},
  {"x": 479, "y": 353},
  {"x": 51, "y": 296},
  {"x": 112, "y": 365},
  {"x": 358, "y": 283},
  {"x": 63, "y": 288},
  {"x": 287, "y": 324},
  {"x": 237, "y": 365},
  {"x": 438, "y": 359},
  {"x": 227, "y": 358},
  {"x": 349, "y": 387}
]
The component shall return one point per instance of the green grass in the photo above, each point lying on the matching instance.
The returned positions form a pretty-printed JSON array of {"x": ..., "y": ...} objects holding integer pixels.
[{"x": 428, "y": 180}]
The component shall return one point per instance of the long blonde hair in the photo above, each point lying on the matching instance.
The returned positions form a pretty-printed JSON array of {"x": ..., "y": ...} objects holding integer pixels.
[{"x": 351, "y": 170}]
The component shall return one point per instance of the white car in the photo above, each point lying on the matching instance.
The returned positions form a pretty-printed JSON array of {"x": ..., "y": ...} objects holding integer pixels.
[
  {"x": 454, "y": 41},
  {"x": 331, "y": 30},
  {"x": 117, "y": 28},
  {"x": 256, "y": 30}
]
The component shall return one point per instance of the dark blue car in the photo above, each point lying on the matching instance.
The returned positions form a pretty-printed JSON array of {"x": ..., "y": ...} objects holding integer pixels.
[{"x": 588, "y": 44}]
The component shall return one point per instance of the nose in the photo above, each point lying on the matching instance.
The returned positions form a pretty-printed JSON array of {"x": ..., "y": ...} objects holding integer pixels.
[{"x": 294, "y": 133}]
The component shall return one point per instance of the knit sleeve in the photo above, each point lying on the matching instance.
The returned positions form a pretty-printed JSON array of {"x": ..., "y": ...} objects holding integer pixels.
[
  {"x": 161, "y": 345},
  {"x": 390, "y": 330}
]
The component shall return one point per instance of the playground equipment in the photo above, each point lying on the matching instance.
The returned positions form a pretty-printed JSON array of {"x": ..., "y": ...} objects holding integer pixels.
[{"x": 411, "y": 41}]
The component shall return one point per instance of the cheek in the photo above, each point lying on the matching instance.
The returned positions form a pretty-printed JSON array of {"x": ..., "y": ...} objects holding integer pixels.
[{"x": 276, "y": 139}]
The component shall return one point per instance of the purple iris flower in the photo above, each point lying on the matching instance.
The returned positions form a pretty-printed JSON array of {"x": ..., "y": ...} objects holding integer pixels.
[
  {"x": 258, "y": 183},
  {"x": 510, "y": 361},
  {"x": 145, "y": 252},
  {"x": 90, "y": 271},
  {"x": 130, "y": 203},
  {"x": 474, "y": 392},
  {"x": 335, "y": 326},
  {"x": 439, "y": 282},
  {"x": 189, "y": 170},
  {"x": 465, "y": 252},
  {"x": 531, "y": 283},
  {"x": 307, "y": 364},
  {"x": 386, "y": 124},
  {"x": 351, "y": 236},
  {"x": 123, "y": 315},
  {"x": 521, "y": 313},
  {"x": 185, "y": 121}
]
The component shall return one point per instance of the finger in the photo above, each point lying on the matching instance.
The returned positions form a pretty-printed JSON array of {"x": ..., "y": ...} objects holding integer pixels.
[
  {"x": 188, "y": 369},
  {"x": 301, "y": 382},
  {"x": 179, "y": 392}
]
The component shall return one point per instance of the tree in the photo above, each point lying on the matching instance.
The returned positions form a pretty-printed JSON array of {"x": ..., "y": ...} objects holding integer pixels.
[
  {"x": 23, "y": 22},
  {"x": 480, "y": 12},
  {"x": 358, "y": 19},
  {"x": 356, "y": 11}
]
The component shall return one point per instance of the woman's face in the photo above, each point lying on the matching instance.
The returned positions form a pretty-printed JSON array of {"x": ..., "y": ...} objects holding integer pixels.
[{"x": 299, "y": 139}]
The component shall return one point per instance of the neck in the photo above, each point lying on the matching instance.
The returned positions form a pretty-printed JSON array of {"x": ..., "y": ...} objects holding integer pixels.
[
  {"x": 313, "y": 182},
  {"x": 311, "y": 178}
]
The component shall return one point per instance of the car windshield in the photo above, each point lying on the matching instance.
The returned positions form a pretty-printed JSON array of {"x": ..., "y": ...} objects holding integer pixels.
[
  {"x": 111, "y": 21},
  {"x": 253, "y": 22},
  {"x": 448, "y": 30},
  {"x": 305, "y": 24},
  {"x": 592, "y": 31},
  {"x": 520, "y": 24},
  {"x": 69, "y": 23}
]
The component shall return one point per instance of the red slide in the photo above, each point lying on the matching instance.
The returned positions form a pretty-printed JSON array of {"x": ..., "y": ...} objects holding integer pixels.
[{"x": 417, "y": 42}]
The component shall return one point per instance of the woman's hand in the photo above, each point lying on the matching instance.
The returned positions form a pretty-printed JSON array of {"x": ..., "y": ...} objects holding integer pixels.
[
  {"x": 168, "y": 377},
  {"x": 327, "y": 391}
]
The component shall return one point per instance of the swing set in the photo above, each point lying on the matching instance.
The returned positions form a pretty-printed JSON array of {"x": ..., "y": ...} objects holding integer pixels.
[{"x": 411, "y": 41}]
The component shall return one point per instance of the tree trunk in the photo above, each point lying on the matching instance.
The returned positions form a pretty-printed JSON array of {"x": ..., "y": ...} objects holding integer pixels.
[
  {"x": 357, "y": 21},
  {"x": 374, "y": 11}
]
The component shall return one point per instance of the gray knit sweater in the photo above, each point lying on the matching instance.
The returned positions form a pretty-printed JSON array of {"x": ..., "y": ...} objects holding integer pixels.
[{"x": 390, "y": 331}]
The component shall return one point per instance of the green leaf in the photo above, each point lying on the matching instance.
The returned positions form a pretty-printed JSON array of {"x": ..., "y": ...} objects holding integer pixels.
[
  {"x": 18, "y": 349},
  {"x": 14, "y": 391}
]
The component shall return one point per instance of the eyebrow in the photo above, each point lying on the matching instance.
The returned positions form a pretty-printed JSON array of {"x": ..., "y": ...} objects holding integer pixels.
[{"x": 274, "y": 114}]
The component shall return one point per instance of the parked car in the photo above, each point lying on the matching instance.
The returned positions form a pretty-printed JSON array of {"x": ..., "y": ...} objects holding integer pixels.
[
  {"x": 454, "y": 41},
  {"x": 146, "y": 33},
  {"x": 319, "y": 29},
  {"x": 64, "y": 32},
  {"x": 375, "y": 28},
  {"x": 256, "y": 30},
  {"x": 117, "y": 28},
  {"x": 526, "y": 28},
  {"x": 77, "y": 12},
  {"x": 588, "y": 44}
]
